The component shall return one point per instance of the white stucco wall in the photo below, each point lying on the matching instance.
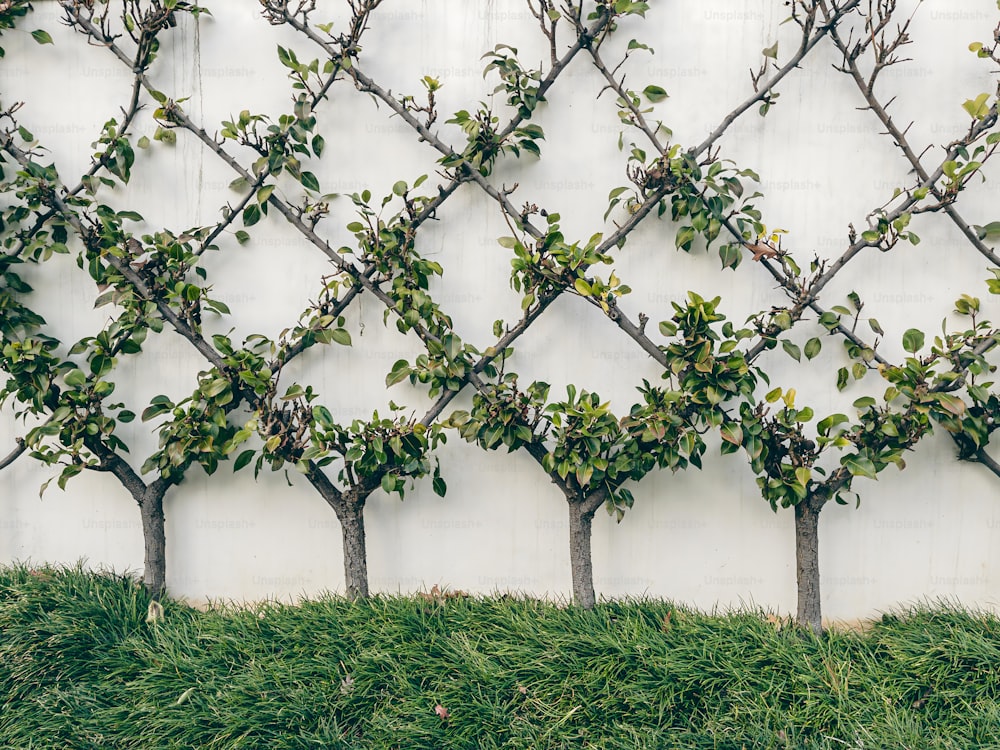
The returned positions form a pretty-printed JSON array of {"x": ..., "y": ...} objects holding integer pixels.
[{"x": 704, "y": 538}]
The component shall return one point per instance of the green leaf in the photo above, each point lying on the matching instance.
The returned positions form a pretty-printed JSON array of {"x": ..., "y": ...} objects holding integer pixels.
[
  {"x": 242, "y": 237},
  {"x": 243, "y": 459},
  {"x": 251, "y": 215},
  {"x": 341, "y": 336},
  {"x": 829, "y": 320},
  {"x": 318, "y": 144},
  {"x": 732, "y": 433},
  {"x": 101, "y": 364},
  {"x": 294, "y": 391},
  {"x": 685, "y": 236},
  {"x": 977, "y": 108},
  {"x": 824, "y": 425},
  {"x": 860, "y": 466},
  {"x": 264, "y": 193},
  {"x": 655, "y": 93},
  {"x": 165, "y": 135},
  {"x": 75, "y": 378},
  {"x": 668, "y": 328},
  {"x": 40, "y": 36},
  {"x": 214, "y": 387},
  {"x": 155, "y": 410},
  {"x": 399, "y": 188},
  {"x": 400, "y": 370},
  {"x": 812, "y": 347},
  {"x": 309, "y": 181},
  {"x": 988, "y": 231},
  {"x": 582, "y": 287},
  {"x": 730, "y": 255},
  {"x": 913, "y": 340},
  {"x": 323, "y": 417},
  {"x": 792, "y": 350},
  {"x": 440, "y": 488},
  {"x": 388, "y": 483}
]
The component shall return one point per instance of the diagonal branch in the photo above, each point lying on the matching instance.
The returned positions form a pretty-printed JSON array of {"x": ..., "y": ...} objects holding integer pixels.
[
  {"x": 899, "y": 138},
  {"x": 14, "y": 454},
  {"x": 125, "y": 269},
  {"x": 984, "y": 458},
  {"x": 804, "y": 49}
]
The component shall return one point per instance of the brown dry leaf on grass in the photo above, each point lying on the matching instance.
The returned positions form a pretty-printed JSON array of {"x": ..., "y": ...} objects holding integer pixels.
[{"x": 439, "y": 595}]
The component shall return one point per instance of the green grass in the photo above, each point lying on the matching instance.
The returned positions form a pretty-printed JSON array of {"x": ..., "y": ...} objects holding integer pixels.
[{"x": 81, "y": 668}]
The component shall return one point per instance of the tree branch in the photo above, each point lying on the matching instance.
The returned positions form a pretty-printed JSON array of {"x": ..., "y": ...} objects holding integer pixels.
[{"x": 14, "y": 454}]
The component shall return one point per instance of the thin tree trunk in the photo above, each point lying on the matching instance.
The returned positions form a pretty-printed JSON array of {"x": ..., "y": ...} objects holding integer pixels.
[
  {"x": 154, "y": 540},
  {"x": 352, "y": 526},
  {"x": 149, "y": 498},
  {"x": 809, "y": 612},
  {"x": 580, "y": 521},
  {"x": 350, "y": 509}
]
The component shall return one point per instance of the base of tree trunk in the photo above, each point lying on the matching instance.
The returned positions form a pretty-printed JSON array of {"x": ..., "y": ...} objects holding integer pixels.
[
  {"x": 352, "y": 526},
  {"x": 809, "y": 612},
  {"x": 155, "y": 542},
  {"x": 581, "y": 562}
]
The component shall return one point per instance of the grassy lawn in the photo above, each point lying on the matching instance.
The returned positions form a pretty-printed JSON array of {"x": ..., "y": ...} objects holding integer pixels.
[{"x": 80, "y": 667}]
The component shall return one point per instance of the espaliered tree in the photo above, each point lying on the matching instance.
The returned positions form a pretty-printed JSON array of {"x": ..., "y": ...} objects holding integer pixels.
[
  {"x": 589, "y": 453},
  {"x": 794, "y": 469},
  {"x": 79, "y": 430},
  {"x": 372, "y": 454}
]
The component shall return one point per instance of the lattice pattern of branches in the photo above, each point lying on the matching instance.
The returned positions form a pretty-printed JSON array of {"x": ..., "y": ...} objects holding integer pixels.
[{"x": 711, "y": 374}]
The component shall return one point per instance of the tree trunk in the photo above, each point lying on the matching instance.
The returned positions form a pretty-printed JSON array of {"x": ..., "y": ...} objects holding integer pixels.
[
  {"x": 154, "y": 540},
  {"x": 581, "y": 562},
  {"x": 350, "y": 509},
  {"x": 807, "y": 565},
  {"x": 149, "y": 498},
  {"x": 352, "y": 526}
]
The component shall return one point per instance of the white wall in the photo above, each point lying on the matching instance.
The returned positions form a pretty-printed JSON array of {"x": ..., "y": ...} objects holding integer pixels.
[{"x": 706, "y": 537}]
